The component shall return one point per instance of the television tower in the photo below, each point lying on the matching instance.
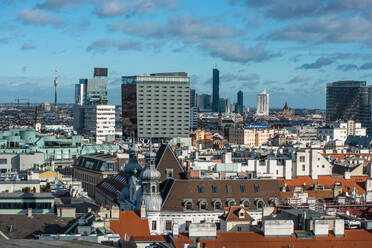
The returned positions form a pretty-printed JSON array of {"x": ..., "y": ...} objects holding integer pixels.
[{"x": 55, "y": 93}]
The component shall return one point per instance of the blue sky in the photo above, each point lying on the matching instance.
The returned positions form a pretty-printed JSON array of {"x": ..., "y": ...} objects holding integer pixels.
[{"x": 291, "y": 48}]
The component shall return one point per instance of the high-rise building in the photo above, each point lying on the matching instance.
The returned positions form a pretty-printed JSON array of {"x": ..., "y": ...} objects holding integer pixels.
[
  {"x": 192, "y": 98},
  {"x": 216, "y": 90},
  {"x": 99, "y": 122},
  {"x": 156, "y": 106},
  {"x": 262, "y": 104},
  {"x": 204, "y": 102},
  {"x": 349, "y": 100},
  {"x": 239, "y": 105},
  {"x": 56, "y": 93},
  {"x": 92, "y": 116}
]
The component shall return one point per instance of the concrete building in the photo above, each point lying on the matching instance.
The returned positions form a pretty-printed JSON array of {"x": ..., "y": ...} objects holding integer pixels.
[
  {"x": 262, "y": 104},
  {"x": 20, "y": 162},
  {"x": 156, "y": 106},
  {"x": 99, "y": 122},
  {"x": 204, "y": 102}
]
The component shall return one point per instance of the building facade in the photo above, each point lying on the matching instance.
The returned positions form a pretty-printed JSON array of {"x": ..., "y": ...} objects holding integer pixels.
[
  {"x": 349, "y": 100},
  {"x": 262, "y": 104},
  {"x": 239, "y": 105},
  {"x": 99, "y": 122},
  {"x": 156, "y": 106}
]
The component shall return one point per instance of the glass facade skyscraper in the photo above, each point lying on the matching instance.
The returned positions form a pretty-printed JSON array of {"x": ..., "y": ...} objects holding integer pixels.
[
  {"x": 349, "y": 100},
  {"x": 239, "y": 105},
  {"x": 216, "y": 90}
]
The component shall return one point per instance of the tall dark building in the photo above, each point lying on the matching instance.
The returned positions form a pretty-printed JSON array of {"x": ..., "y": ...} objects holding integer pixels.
[
  {"x": 216, "y": 90},
  {"x": 350, "y": 100},
  {"x": 192, "y": 98},
  {"x": 239, "y": 104}
]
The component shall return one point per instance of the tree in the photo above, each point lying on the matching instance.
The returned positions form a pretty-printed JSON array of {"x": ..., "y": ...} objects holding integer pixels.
[{"x": 47, "y": 187}]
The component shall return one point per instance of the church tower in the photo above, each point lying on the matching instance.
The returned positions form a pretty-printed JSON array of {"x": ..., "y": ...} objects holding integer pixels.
[{"x": 150, "y": 184}]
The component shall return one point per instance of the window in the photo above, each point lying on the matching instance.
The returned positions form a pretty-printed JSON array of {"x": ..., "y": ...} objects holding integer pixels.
[
  {"x": 217, "y": 205},
  {"x": 3, "y": 161},
  {"x": 231, "y": 202},
  {"x": 200, "y": 189},
  {"x": 153, "y": 225},
  {"x": 153, "y": 189},
  {"x": 242, "y": 188},
  {"x": 203, "y": 205},
  {"x": 239, "y": 228},
  {"x": 302, "y": 158},
  {"x": 188, "y": 205},
  {"x": 323, "y": 166},
  {"x": 187, "y": 225},
  {"x": 228, "y": 188},
  {"x": 168, "y": 225},
  {"x": 169, "y": 173},
  {"x": 303, "y": 167},
  {"x": 214, "y": 189},
  {"x": 218, "y": 226},
  {"x": 245, "y": 203},
  {"x": 256, "y": 188}
]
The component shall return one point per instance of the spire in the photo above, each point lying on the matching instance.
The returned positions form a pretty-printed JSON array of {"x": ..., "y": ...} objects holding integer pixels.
[{"x": 56, "y": 93}]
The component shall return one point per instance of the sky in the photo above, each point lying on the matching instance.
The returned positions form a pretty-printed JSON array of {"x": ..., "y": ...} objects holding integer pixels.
[{"x": 290, "y": 48}]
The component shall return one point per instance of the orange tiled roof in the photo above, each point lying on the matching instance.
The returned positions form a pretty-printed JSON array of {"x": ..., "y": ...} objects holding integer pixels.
[
  {"x": 130, "y": 223},
  {"x": 353, "y": 238},
  {"x": 347, "y": 184},
  {"x": 233, "y": 214}
]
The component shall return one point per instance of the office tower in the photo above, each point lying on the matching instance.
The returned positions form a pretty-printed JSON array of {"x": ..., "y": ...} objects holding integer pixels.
[
  {"x": 204, "y": 102},
  {"x": 56, "y": 93},
  {"x": 90, "y": 102},
  {"x": 156, "y": 106},
  {"x": 262, "y": 104},
  {"x": 192, "y": 98},
  {"x": 99, "y": 122},
  {"x": 349, "y": 100},
  {"x": 216, "y": 90},
  {"x": 239, "y": 105},
  {"x": 194, "y": 117},
  {"x": 224, "y": 105}
]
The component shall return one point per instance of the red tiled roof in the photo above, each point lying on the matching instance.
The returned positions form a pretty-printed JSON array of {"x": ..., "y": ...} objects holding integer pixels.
[
  {"x": 233, "y": 214},
  {"x": 130, "y": 223},
  {"x": 353, "y": 238},
  {"x": 347, "y": 184}
]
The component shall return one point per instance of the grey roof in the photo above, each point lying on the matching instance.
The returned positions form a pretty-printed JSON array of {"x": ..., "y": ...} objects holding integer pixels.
[
  {"x": 23, "y": 195},
  {"x": 20, "y": 182}
]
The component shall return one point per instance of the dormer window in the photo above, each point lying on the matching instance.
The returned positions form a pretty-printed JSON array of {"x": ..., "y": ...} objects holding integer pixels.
[
  {"x": 231, "y": 202},
  {"x": 188, "y": 205},
  {"x": 217, "y": 204},
  {"x": 203, "y": 204}
]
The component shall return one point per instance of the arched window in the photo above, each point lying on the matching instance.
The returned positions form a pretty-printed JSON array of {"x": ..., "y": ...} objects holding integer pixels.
[
  {"x": 217, "y": 205},
  {"x": 188, "y": 205},
  {"x": 260, "y": 204},
  {"x": 153, "y": 189},
  {"x": 231, "y": 202},
  {"x": 203, "y": 205},
  {"x": 245, "y": 203}
]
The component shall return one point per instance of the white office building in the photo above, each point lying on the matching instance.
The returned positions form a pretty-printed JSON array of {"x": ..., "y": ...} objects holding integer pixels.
[
  {"x": 262, "y": 104},
  {"x": 340, "y": 131},
  {"x": 99, "y": 122}
]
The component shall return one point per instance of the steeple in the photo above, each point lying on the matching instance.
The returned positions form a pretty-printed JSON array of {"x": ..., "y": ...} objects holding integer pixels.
[{"x": 150, "y": 183}]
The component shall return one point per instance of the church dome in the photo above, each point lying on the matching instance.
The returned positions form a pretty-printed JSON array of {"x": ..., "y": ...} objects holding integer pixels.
[
  {"x": 133, "y": 167},
  {"x": 151, "y": 174}
]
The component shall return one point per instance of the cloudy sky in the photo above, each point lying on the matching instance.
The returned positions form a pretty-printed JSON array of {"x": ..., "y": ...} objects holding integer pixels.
[{"x": 291, "y": 48}]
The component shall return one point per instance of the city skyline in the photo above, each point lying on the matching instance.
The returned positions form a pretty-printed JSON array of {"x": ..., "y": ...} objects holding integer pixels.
[{"x": 292, "y": 52}]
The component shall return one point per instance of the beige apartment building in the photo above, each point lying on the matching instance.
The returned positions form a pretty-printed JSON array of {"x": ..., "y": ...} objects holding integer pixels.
[{"x": 250, "y": 137}]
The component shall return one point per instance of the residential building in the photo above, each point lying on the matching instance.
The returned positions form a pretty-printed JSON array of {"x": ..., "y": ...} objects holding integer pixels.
[
  {"x": 250, "y": 137},
  {"x": 216, "y": 90},
  {"x": 340, "y": 131},
  {"x": 156, "y": 106},
  {"x": 349, "y": 100},
  {"x": 262, "y": 104}
]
